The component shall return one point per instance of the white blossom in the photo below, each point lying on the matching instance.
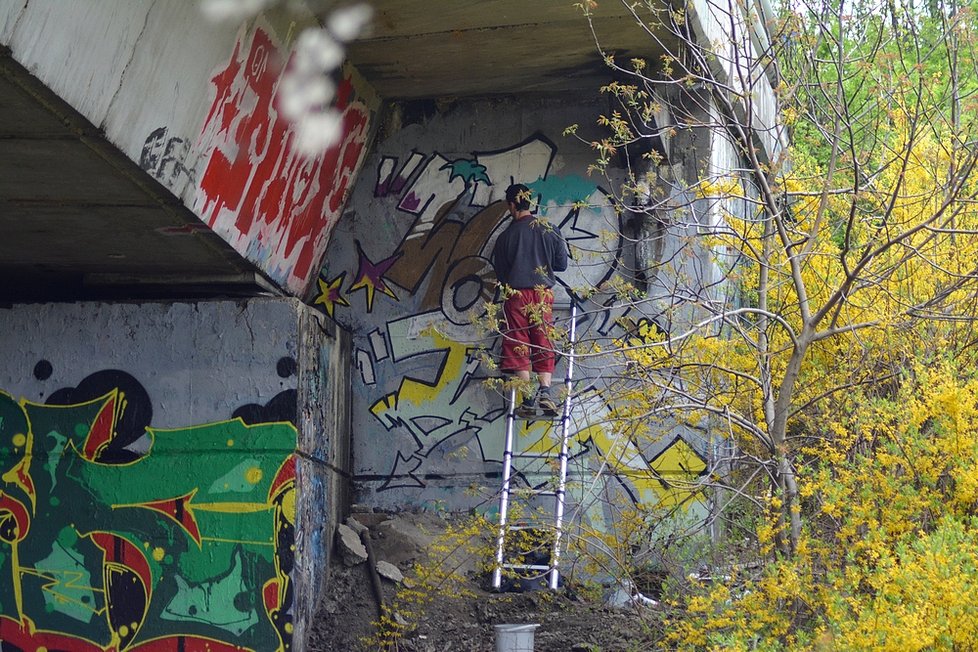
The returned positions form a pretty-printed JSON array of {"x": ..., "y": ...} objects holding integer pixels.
[
  {"x": 316, "y": 132},
  {"x": 315, "y": 48},
  {"x": 346, "y": 23},
  {"x": 232, "y": 10},
  {"x": 306, "y": 89},
  {"x": 300, "y": 95}
]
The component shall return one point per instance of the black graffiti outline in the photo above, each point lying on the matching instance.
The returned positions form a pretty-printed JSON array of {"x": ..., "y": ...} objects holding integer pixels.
[{"x": 160, "y": 154}]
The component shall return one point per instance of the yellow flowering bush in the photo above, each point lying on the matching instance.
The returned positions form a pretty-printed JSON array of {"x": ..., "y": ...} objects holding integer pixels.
[{"x": 847, "y": 378}]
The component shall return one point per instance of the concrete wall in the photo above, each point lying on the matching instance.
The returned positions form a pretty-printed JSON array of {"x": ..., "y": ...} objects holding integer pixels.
[
  {"x": 737, "y": 37},
  {"x": 166, "y": 473},
  {"x": 198, "y": 112},
  {"x": 407, "y": 274}
]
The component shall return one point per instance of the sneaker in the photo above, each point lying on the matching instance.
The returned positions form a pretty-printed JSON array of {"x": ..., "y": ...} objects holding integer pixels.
[
  {"x": 527, "y": 409},
  {"x": 547, "y": 404}
]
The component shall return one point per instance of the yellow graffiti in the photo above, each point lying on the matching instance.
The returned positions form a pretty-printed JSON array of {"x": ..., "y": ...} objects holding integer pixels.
[
  {"x": 388, "y": 402},
  {"x": 329, "y": 294},
  {"x": 288, "y": 506},
  {"x": 416, "y": 392},
  {"x": 15, "y": 567},
  {"x": 20, "y": 474},
  {"x": 71, "y": 581},
  {"x": 677, "y": 467},
  {"x": 251, "y": 542},
  {"x": 227, "y": 508},
  {"x": 667, "y": 480}
]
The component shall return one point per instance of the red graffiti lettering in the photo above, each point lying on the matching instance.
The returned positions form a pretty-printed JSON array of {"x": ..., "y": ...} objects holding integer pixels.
[{"x": 274, "y": 205}]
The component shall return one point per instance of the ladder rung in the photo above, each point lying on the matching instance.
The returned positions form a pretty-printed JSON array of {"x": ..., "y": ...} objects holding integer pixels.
[
  {"x": 526, "y": 567},
  {"x": 528, "y": 526},
  {"x": 527, "y": 494},
  {"x": 537, "y": 456}
]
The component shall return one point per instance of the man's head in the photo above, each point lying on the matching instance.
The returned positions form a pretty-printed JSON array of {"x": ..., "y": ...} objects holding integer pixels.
[{"x": 518, "y": 196}]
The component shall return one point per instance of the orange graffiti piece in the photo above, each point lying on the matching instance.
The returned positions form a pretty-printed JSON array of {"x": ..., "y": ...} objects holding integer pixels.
[
  {"x": 15, "y": 521},
  {"x": 178, "y": 510},
  {"x": 256, "y": 189},
  {"x": 186, "y": 644},
  {"x": 24, "y": 636},
  {"x": 20, "y": 475},
  {"x": 285, "y": 474},
  {"x": 121, "y": 552},
  {"x": 102, "y": 429},
  {"x": 122, "y": 560},
  {"x": 271, "y": 595}
]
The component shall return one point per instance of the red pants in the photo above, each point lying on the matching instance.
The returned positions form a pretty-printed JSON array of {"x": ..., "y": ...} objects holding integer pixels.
[{"x": 526, "y": 345}]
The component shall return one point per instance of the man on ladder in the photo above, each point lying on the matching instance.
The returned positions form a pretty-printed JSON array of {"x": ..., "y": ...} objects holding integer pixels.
[{"x": 525, "y": 257}]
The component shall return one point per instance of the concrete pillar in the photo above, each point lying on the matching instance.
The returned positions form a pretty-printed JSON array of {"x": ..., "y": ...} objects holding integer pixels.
[{"x": 170, "y": 472}]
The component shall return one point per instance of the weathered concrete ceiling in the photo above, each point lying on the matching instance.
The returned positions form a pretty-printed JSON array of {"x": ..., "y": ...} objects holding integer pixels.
[
  {"x": 457, "y": 48},
  {"x": 78, "y": 219}
]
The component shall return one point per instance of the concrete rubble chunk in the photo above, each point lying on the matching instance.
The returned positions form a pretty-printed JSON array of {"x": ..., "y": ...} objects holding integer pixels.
[
  {"x": 350, "y": 546},
  {"x": 389, "y": 571},
  {"x": 356, "y": 525},
  {"x": 359, "y": 508},
  {"x": 371, "y": 519},
  {"x": 626, "y": 595}
]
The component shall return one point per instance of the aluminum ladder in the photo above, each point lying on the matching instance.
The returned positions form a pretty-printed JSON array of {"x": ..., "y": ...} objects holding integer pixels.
[{"x": 558, "y": 492}]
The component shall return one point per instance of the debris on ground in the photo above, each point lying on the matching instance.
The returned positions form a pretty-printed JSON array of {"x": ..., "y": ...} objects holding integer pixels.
[
  {"x": 348, "y": 544},
  {"x": 462, "y": 620}
]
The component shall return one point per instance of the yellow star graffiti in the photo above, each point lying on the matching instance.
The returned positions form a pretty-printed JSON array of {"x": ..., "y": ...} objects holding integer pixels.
[{"x": 329, "y": 294}]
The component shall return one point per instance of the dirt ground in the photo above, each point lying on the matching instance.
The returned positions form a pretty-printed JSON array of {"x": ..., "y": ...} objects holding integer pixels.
[{"x": 568, "y": 620}]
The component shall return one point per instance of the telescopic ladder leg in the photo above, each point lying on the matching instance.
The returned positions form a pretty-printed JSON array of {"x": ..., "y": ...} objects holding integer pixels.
[
  {"x": 497, "y": 574},
  {"x": 560, "y": 500}
]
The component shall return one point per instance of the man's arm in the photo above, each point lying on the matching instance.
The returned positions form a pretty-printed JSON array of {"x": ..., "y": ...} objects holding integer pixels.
[
  {"x": 559, "y": 262},
  {"x": 496, "y": 258}
]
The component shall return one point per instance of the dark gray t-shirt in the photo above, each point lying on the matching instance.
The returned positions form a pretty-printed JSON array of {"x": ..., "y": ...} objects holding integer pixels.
[{"x": 526, "y": 248}]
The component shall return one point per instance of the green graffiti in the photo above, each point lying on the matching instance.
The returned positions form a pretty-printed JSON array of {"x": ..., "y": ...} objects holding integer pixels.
[
  {"x": 215, "y": 603},
  {"x": 467, "y": 170},
  {"x": 56, "y": 451},
  {"x": 237, "y": 479},
  {"x": 69, "y": 588},
  {"x": 563, "y": 191},
  {"x": 102, "y": 548}
]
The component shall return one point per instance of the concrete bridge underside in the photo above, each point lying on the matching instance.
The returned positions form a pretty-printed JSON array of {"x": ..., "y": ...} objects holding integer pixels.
[{"x": 81, "y": 220}]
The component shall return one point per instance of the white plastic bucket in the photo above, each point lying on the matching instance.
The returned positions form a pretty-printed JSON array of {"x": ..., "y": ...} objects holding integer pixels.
[{"x": 514, "y": 638}]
